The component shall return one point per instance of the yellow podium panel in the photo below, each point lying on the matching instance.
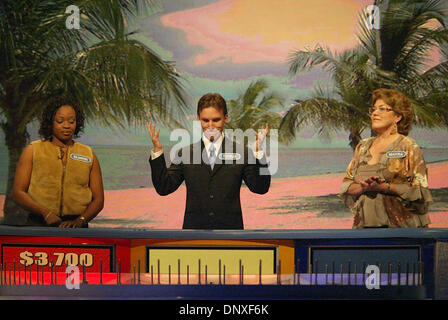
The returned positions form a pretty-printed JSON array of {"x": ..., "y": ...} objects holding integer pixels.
[
  {"x": 283, "y": 251},
  {"x": 215, "y": 259}
]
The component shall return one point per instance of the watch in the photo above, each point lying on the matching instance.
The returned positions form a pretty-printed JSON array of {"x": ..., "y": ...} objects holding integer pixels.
[{"x": 83, "y": 219}]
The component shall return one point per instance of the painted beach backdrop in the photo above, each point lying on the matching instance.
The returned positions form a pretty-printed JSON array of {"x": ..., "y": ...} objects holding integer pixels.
[
  {"x": 302, "y": 194},
  {"x": 224, "y": 46}
]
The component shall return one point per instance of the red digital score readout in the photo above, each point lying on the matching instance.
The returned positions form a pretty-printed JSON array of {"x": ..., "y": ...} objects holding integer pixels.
[{"x": 91, "y": 257}]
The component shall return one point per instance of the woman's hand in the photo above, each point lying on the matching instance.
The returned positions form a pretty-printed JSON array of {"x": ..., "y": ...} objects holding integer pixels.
[
  {"x": 371, "y": 184},
  {"x": 375, "y": 184},
  {"x": 52, "y": 220},
  {"x": 77, "y": 223}
]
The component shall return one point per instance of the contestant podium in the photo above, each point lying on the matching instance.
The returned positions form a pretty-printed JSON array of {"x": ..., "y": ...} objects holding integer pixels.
[{"x": 218, "y": 264}]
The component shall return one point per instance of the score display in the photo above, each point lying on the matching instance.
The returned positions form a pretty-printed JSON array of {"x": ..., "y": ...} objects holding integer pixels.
[{"x": 92, "y": 257}]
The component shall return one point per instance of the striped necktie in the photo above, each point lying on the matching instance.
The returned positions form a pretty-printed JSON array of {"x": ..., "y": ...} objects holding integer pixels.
[{"x": 212, "y": 157}]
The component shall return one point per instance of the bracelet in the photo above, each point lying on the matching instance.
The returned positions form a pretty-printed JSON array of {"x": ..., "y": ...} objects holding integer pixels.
[
  {"x": 388, "y": 188},
  {"x": 47, "y": 215}
]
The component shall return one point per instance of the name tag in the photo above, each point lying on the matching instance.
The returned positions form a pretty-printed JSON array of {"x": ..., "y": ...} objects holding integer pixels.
[
  {"x": 80, "y": 157},
  {"x": 396, "y": 154},
  {"x": 229, "y": 156}
]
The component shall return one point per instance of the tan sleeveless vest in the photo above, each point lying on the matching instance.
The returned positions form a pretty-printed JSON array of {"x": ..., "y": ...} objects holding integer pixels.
[{"x": 62, "y": 189}]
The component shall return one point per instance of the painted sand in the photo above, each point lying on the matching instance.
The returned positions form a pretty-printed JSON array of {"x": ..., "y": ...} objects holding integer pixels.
[{"x": 308, "y": 202}]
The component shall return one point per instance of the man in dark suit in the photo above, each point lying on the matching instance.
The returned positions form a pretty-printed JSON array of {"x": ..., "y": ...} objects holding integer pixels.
[{"x": 213, "y": 183}]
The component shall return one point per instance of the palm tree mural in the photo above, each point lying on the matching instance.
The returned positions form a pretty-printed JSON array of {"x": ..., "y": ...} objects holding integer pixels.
[
  {"x": 115, "y": 78},
  {"x": 393, "y": 56},
  {"x": 331, "y": 109},
  {"x": 435, "y": 82},
  {"x": 253, "y": 108}
]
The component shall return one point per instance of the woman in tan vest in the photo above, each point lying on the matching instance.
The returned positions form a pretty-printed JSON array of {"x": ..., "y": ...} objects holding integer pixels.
[{"x": 58, "y": 180}]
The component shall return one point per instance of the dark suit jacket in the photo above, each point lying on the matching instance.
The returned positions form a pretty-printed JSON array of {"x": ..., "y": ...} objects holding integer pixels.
[{"x": 213, "y": 196}]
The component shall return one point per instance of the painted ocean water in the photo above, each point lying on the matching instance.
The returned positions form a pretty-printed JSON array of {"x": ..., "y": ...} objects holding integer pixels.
[{"x": 127, "y": 167}]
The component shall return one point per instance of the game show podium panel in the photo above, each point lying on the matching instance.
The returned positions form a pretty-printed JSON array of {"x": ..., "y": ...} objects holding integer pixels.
[{"x": 215, "y": 264}]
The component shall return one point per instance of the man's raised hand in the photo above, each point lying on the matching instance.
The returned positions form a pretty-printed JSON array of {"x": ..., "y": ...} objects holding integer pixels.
[
  {"x": 261, "y": 135},
  {"x": 154, "y": 136}
]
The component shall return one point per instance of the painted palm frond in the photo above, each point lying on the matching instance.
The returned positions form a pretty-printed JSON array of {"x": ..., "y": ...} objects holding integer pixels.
[
  {"x": 116, "y": 79},
  {"x": 327, "y": 115},
  {"x": 305, "y": 60},
  {"x": 435, "y": 78},
  {"x": 344, "y": 107},
  {"x": 393, "y": 56},
  {"x": 254, "y": 107}
]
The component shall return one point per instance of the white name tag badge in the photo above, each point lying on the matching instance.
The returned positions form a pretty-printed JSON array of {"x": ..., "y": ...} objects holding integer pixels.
[
  {"x": 79, "y": 157},
  {"x": 396, "y": 154},
  {"x": 229, "y": 156}
]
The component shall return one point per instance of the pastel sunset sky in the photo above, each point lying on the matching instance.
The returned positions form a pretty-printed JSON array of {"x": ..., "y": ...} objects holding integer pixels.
[
  {"x": 246, "y": 31},
  {"x": 238, "y": 40},
  {"x": 224, "y": 45}
]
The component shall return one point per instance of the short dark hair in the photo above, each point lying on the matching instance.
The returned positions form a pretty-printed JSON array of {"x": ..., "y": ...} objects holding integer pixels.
[
  {"x": 47, "y": 117},
  {"x": 214, "y": 100},
  {"x": 400, "y": 104}
]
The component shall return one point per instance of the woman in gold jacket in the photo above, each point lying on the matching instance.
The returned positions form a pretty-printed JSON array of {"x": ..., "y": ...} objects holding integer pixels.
[
  {"x": 386, "y": 181},
  {"x": 58, "y": 180}
]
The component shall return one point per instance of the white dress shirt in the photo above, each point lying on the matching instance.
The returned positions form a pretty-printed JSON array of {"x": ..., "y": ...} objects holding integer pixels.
[{"x": 207, "y": 144}]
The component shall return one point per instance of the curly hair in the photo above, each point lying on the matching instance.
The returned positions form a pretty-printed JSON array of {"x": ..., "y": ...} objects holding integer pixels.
[
  {"x": 400, "y": 104},
  {"x": 47, "y": 117}
]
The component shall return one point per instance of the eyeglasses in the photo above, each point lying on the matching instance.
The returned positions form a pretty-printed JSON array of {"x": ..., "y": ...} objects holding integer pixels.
[{"x": 380, "y": 110}]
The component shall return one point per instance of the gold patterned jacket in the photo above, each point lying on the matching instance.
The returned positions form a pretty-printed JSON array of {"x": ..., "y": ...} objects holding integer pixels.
[{"x": 401, "y": 164}]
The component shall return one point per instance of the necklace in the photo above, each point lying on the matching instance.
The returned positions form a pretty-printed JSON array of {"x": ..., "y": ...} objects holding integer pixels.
[
  {"x": 61, "y": 150},
  {"x": 62, "y": 153}
]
